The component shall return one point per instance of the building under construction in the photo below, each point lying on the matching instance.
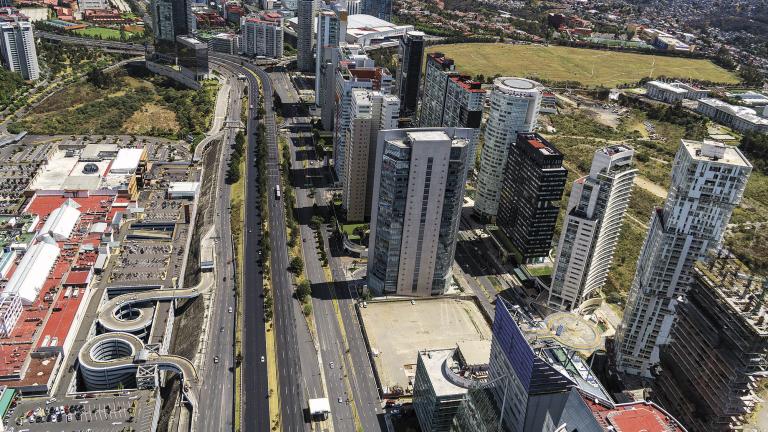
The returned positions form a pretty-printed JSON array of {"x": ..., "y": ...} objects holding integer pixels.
[{"x": 711, "y": 368}]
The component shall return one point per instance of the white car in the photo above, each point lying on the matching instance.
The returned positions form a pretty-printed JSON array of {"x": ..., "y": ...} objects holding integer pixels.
[
  {"x": 340, "y": 400},
  {"x": 229, "y": 309},
  {"x": 262, "y": 359}
]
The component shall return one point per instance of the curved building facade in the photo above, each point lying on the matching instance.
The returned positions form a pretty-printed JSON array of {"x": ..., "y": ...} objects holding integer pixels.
[{"x": 515, "y": 104}]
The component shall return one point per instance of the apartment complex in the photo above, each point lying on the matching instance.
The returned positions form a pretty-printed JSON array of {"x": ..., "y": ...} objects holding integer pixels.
[
  {"x": 17, "y": 49},
  {"x": 533, "y": 185},
  {"x": 370, "y": 112},
  {"x": 515, "y": 104},
  {"x": 304, "y": 33},
  {"x": 738, "y": 118},
  {"x": 331, "y": 28},
  {"x": 355, "y": 70},
  {"x": 262, "y": 35},
  {"x": 715, "y": 361},
  {"x": 591, "y": 229},
  {"x": 708, "y": 181},
  {"x": 409, "y": 75},
  {"x": 450, "y": 99},
  {"x": 417, "y": 196}
]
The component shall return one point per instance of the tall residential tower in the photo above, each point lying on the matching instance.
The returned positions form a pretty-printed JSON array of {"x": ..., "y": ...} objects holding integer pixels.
[
  {"x": 591, "y": 228},
  {"x": 533, "y": 185},
  {"x": 515, "y": 104},
  {"x": 371, "y": 111},
  {"x": 305, "y": 31},
  {"x": 417, "y": 197},
  {"x": 17, "y": 49},
  {"x": 409, "y": 76},
  {"x": 708, "y": 181},
  {"x": 450, "y": 99}
]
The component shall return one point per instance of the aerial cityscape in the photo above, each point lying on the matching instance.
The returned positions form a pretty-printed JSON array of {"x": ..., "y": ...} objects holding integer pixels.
[{"x": 383, "y": 215}]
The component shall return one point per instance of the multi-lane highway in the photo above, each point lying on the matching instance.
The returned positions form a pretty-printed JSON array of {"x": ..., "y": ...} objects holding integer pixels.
[
  {"x": 218, "y": 378},
  {"x": 348, "y": 379},
  {"x": 255, "y": 389}
]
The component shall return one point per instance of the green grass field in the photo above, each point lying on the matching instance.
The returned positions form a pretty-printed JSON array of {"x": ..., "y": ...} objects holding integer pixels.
[
  {"x": 103, "y": 32},
  {"x": 590, "y": 67}
]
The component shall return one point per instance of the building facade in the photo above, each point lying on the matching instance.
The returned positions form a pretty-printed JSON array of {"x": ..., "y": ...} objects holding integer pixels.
[
  {"x": 306, "y": 15},
  {"x": 17, "y": 49},
  {"x": 409, "y": 75},
  {"x": 262, "y": 35},
  {"x": 381, "y": 9},
  {"x": 450, "y": 99},
  {"x": 355, "y": 71},
  {"x": 227, "y": 43},
  {"x": 371, "y": 111},
  {"x": 673, "y": 92},
  {"x": 591, "y": 229},
  {"x": 418, "y": 192},
  {"x": 708, "y": 181},
  {"x": 331, "y": 28},
  {"x": 530, "y": 198},
  {"x": 172, "y": 18},
  {"x": 739, "y": 118},
  {"x": 515, "y": 104},
  {"x": 192, "y": 57},
  {"x": 716, "y": 358}
]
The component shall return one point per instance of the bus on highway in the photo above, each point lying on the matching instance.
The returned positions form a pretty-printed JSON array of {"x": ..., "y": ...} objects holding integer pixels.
[{"x": 277, "y": 191}]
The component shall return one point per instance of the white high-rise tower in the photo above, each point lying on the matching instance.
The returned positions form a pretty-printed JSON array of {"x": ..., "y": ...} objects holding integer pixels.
[
  {"x": 591, "y": 229},
  {"x": 17, "y": 49}
]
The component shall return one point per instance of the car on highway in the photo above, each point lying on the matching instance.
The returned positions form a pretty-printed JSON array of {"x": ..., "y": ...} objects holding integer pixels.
[
  {"x": 221, "y": 330},
  {"x": 330, "y": 365},
  {"x": 216, "y": 359},
  {"x": 229, "y": 309},
  {"x": 262, "y": 359},
  {"x": 340, "y": 400}
]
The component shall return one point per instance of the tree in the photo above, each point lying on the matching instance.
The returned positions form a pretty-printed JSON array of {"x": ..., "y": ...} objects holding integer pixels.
[
  {"x": 303, "y": 290},
  {"x": 315, "y": 222},
  {"x": 296, "y": 265},
  {"x": 307, "y": 309},
  {"x": 751, "y": 76}
]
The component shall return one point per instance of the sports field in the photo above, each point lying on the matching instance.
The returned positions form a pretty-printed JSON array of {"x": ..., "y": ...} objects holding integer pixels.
[{"x": 590, "y": 67}]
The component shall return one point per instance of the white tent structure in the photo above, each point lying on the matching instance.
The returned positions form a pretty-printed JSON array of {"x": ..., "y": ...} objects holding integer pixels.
[
  {"x": 61, "y": 221},
  {"x": 31, "y": 273}
]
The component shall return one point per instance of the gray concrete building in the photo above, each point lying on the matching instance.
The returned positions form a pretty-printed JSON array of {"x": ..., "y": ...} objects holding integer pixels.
[
  {"x": 306, "y": 29},
  {"x": 418, "y": 193}
]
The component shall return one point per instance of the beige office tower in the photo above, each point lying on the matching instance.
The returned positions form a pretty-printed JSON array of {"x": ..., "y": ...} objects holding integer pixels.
[{"x": 371, "y": 111}]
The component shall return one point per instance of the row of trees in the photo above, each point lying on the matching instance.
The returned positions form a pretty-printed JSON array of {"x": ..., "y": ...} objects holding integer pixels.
[{"x": 238, "y": 151}]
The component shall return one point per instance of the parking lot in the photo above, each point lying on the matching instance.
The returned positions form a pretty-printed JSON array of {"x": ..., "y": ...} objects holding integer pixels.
[{"x": 109, "y": 414}]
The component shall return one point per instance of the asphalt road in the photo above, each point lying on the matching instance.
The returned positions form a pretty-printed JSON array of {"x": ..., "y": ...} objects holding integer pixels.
[
  {"x": 291, "y": 390},
  {"x": 255, "y": 388},
  {"x": 218, "y": 378},
  {"x": 344, "y": 358}
]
